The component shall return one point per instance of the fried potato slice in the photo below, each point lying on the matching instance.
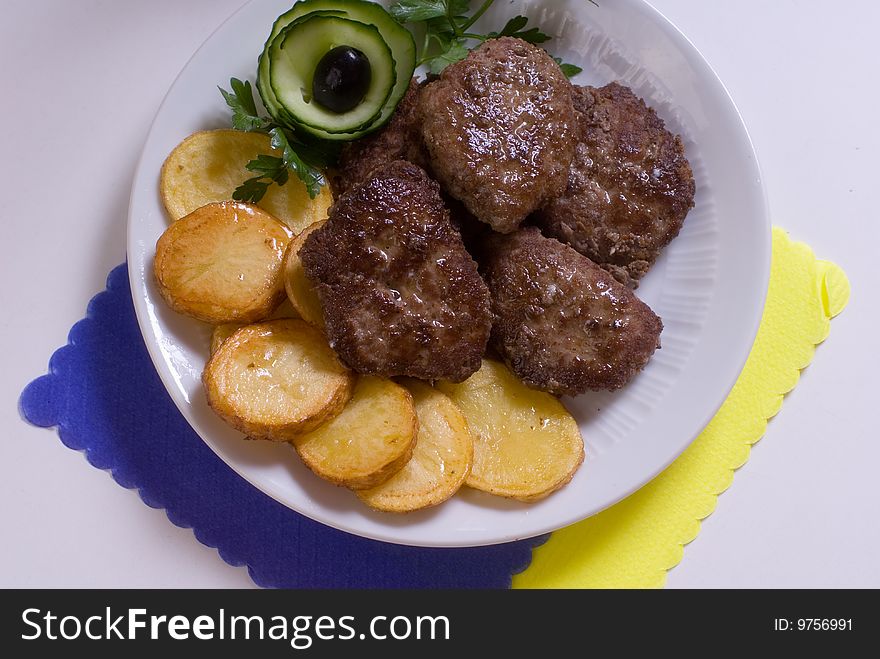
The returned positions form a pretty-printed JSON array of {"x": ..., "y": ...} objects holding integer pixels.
[
  {"x": 208, "y": 166},
  {"x": 440, "y": 462},
  {"x": 370, "y": 440},
  {"x": 526, "y": 445},
  {"x": 299, "y": 288},
  {"x": 276, "y": 380},
  {"x": 222, "y": 263},
  {"x": 222, "y": 332}
]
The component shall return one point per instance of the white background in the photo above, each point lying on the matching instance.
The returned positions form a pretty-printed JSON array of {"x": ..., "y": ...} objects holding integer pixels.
[{"x": 81, "y": 81}]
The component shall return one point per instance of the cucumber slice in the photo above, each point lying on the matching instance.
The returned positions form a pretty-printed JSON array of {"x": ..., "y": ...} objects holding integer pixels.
[
  {"x": 398, "y": 38},
  {"x": 298, "y": 12},
  {"x": 295, "y": 53}
]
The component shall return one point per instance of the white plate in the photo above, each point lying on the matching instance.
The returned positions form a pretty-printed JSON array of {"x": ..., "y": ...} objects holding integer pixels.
[{"x": 709, "y": 285}]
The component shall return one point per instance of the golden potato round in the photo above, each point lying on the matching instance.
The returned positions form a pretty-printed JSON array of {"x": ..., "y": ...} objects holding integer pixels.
[
  {"x": 222, "y": 332},
  {"x": 276, "y": 380},
  {"x": 222, "y": 263},
  {"x": 440, "y": 462},
  {"x": 369, "y": 441},
  {"x": 526, "y": 444},
  {"x": 300, "y": 290},
  {"x": 208, "y": 166}
]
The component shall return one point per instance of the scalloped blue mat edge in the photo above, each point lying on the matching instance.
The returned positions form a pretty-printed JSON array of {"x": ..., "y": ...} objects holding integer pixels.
[{"x": 106, "y": 399}]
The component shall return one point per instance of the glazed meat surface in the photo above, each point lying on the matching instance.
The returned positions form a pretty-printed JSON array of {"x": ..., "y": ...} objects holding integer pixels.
[
  {"x": 400, "y": 294},
  {"x": 499, "y": 127},
  {"x": 562, "y": 323},
  {"x": 630, "y": 186},
  {"x": 398, "y": 140}
]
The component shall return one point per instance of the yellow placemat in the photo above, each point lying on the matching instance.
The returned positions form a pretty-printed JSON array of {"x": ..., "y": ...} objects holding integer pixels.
[{"x": 635, "y": 542}]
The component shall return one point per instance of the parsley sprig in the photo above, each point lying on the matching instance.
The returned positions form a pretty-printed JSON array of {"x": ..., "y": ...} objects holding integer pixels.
[
  {"x": 303, "y": 160},
  {"x": 447, "y": 36}
]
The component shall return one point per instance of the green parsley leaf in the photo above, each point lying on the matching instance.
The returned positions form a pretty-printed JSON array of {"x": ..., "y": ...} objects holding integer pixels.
[
  {"x": 244, "y": 107},
  {"x": 534, "y": 35},
  {"x": 321, "y": 154},
  {"x": 570, "y": 70},
  {"x": 514, "y": 28},
  {"x": 245, "y": 95},
  {"x": 310, "y": 175},
  {"x": 269, "y": 170},
  {"x": 456, "y": 51},
  {"x": 416, "y": 11},
  {"x": 269, "y": 167},
  {"x": 304, "y": 160},
  {"x": 446, "y": 30},
  {"x": 252, "y": 190},
  {"x": 440, "y": 29}
]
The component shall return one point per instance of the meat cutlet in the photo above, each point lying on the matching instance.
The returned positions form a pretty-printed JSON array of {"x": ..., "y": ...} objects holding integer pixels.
[
  {"x": 562, "y": 323},
  {"x": 630, "y": 186},
  {"x": 499, "y": 127},
  {"x": 398, "y": 140},
  {"x": 400, "y": 294}
]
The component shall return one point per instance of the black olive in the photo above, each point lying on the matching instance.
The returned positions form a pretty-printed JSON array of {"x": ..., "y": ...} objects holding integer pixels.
[{"x": 342, "y": 79}]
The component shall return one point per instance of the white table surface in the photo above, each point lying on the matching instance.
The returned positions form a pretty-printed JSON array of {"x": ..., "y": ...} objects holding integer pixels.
[{"x": 82, "y": 80}]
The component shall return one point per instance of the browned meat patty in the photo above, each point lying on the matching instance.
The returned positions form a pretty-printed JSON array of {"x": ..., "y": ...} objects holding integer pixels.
[
  {"x": 630, "y": 186},
  {"x": 562, "y": 323},
  {"x": 400, "y": 139},
  {"x": 499, "y": 127},
  {"x": 400, "y": 294}
]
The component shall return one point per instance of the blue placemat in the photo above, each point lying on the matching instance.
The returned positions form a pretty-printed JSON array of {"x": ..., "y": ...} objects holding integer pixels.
[{"x": 106, "y": 399}]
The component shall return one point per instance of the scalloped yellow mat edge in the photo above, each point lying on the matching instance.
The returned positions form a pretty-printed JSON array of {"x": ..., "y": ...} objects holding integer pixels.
[{"x": 635, "y": 542}]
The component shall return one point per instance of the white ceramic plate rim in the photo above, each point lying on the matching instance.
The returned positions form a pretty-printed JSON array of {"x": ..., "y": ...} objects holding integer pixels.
[{"x": 755, "y": 279}]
